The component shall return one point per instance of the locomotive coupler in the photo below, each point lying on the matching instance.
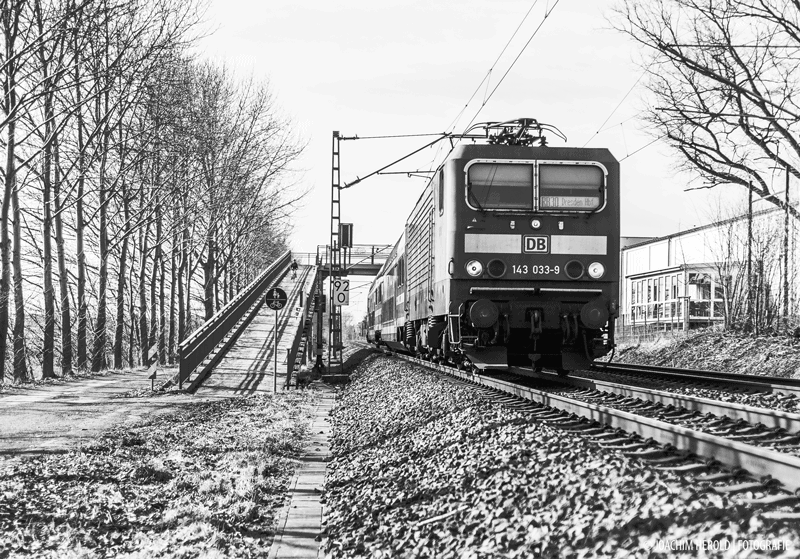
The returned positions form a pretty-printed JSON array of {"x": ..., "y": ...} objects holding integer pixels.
[
  {"x": 569, "y": 328},
  {"x": 575, "y": 330},
  {"x": 536, "y": 323},
  {"x": 503, "y": 326},
  {"x": 566, "y": 332}
]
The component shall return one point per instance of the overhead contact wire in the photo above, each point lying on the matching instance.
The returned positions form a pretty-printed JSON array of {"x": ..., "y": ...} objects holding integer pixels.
[
  {"x": 521, "y": 52},
  {"x": 491, "y": 68},
  {"x": 648, "y": 144},
  {"x": 621, "y": 101},
  {"x": 451, "y": 127}
]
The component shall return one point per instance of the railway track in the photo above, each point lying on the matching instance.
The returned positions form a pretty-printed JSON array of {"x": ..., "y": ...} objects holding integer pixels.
[
  {"x": 720, "y": 380},
  {"x": 736, "y": 466},
  {"x": 769, "y": 418}
]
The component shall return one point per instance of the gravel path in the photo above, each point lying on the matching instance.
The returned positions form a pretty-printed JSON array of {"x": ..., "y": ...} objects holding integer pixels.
[
  {"x": 424, "y": 468},
  {"x": 56, "y": 417}
]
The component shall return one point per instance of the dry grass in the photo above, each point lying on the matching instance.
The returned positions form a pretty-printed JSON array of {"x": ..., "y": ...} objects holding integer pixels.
[
  {"x": 719, "y": 351},
  {"x": 205, "y": 481}
]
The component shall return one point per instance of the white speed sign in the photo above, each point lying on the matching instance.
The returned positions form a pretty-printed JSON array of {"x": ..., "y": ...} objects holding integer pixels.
[{"x": 341, "y": 292}]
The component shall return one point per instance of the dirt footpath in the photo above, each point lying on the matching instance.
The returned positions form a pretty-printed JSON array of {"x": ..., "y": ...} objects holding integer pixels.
[{"x": 54, "y": 418}]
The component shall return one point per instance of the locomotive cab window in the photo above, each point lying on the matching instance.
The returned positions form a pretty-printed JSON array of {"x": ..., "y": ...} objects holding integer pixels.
[
  {"x": 570, "y": 187},
  {"x": 500, "y": 186}
]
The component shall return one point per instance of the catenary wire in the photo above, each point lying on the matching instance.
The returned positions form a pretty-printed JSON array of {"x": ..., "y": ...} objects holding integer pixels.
[
  {"x": 454, "y": 123},
  {"x": 451, "y": 127},
  {"x": 519, "y": 55},
  {"x": 648, "y": 144},
  {"x": 521, "y": 52},
  {"x": 599, "y": 128}
]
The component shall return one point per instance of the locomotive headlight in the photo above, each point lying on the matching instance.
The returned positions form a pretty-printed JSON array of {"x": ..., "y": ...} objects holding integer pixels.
[
  {"x": 596, "y": 270},
  {"x": 474, "y": 268},
  {"x": 535, "y": 223}
]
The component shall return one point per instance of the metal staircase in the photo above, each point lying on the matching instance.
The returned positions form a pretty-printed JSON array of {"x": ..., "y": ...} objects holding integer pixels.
[{"x": 304, "y": 341}]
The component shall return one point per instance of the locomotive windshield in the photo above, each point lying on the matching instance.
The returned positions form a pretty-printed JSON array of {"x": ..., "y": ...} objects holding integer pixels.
[
  {"x": 555, "y": 186},
  {"x": 500, "y": 186},
  {"x": 570, "y": 187}
]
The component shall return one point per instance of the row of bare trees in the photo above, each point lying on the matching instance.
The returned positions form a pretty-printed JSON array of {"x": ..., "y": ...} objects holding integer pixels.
[{"x": 141, "y": 187}]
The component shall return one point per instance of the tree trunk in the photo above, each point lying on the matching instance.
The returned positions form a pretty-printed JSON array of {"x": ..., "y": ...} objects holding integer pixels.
[
  {"x": 143, "y": 335},
  {"x": 189, "y": 274},
  {"x": 786, "y": 292},
  {"x": 171, "y": 350},
  {"x": 63, "y": 279},
  {"x": 224, "y": 286},
  {"x": 182, "y": 303},
  {"x": 183, "y": 298},
  {"x": 20, "y": 357},
  {"x": 132, "y": 303},
  {"x": 119, "y": 333},
  {"x": 79, "y": 218},
  {"x": 99, "y": 349},
  {"x": 5, "y": 241},
  {"x": 48, "y": 345},
  {"x": 48, "y": 93},
  {"x": 157, "y": 254},
  {"x": 208, "y": 278},
  {"x": 162, "y": 317}
]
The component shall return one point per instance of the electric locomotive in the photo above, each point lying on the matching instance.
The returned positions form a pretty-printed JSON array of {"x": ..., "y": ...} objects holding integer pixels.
[{"x": 510, "y": 256}]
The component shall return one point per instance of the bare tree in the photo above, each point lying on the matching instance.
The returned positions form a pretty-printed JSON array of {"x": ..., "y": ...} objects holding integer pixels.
[
  {"x": 747, "y": 268},
  {"x": 723, "y": 85},
  {"x": 244, "y": 150}
]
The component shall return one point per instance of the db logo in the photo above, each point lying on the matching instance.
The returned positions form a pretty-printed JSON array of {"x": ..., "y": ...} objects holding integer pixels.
[{"x": 535, "y": 244}]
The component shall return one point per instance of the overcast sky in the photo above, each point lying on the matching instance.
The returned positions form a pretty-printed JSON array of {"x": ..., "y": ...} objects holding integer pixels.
[{"x": 406, "y": 67}]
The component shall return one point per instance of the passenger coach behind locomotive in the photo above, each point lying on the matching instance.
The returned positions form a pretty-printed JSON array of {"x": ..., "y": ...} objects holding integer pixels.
[{"x": 509, "y": 257}]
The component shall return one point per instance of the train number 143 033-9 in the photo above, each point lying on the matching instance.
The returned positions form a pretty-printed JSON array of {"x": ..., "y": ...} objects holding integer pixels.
[{"x": 535, "y": 269}]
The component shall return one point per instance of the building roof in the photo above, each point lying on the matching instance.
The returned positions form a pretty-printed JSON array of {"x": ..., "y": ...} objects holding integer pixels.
[{"x": 649, "y": 240}]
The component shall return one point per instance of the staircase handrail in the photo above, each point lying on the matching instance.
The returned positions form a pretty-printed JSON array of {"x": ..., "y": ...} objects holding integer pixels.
[
  {"x": 200, "y": 343},
  {"x": 308, "y": 300}
]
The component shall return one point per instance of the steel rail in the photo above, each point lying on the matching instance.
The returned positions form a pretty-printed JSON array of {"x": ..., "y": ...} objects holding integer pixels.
[
  {"x": 758, "y": 461},
  {"x": 753, "y": 382},
  {"x": 771, "y": 419}
]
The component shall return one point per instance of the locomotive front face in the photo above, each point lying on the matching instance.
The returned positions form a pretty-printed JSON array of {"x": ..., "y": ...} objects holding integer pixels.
[
  {"x": 526, "y": 219},
  {"x": 535, "y": 239}
]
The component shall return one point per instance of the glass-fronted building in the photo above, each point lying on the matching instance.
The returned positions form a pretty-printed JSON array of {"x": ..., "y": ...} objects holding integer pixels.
[{"x": 695, "y": 278}]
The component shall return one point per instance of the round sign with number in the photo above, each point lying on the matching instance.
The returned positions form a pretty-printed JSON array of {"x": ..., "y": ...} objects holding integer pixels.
[{"x": 276, "y": 298}]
